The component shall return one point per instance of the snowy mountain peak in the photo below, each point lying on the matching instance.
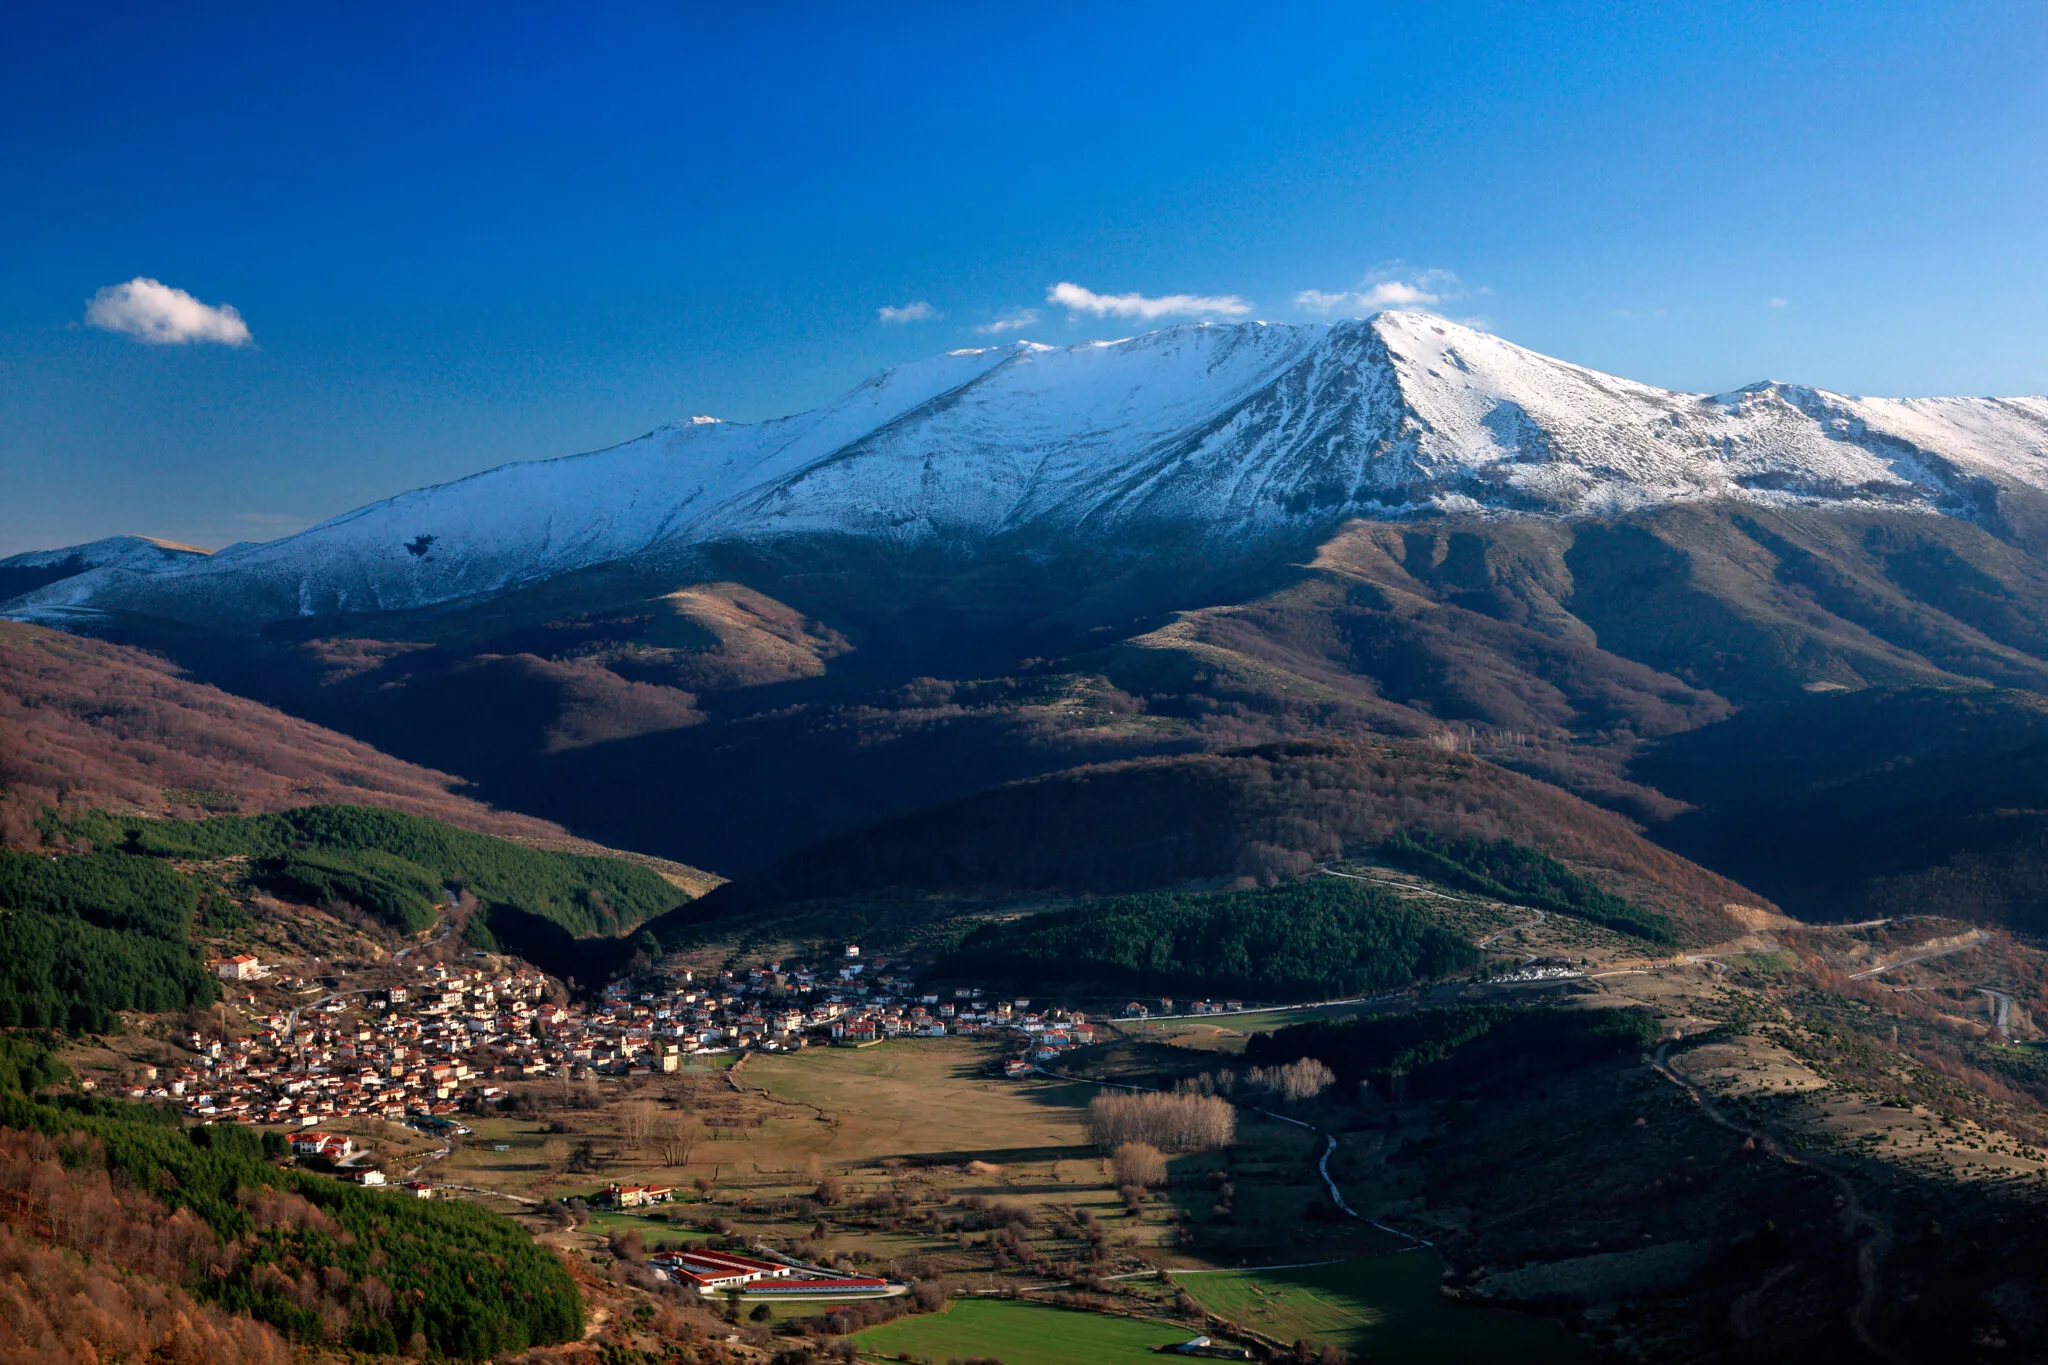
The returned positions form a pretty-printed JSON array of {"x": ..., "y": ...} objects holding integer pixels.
[{"x": 1231, "y": 433}]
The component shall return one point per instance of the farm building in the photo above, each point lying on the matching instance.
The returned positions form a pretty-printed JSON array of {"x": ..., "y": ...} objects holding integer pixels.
[{"x": 851, "y": 1285}]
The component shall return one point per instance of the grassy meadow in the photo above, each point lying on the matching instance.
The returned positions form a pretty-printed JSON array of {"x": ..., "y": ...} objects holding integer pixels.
[
  {"x": 1022, "y": 1334},
  {"x": 1383, "y": 1308}
]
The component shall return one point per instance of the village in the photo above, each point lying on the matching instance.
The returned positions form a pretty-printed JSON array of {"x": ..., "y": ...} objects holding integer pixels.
[{"x": 434, "y": 1042}]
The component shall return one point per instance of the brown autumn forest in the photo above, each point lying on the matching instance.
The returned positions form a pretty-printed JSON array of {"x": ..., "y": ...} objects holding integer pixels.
[{"x": 85, "y": 723}]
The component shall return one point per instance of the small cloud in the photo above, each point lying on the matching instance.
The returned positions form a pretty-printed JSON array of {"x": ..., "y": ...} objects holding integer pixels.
[
  {"x": 1777, "y": 302},
  {"x": 915, "y": 311},
  {"x": 1075, "y": 299},
  {"x": 153, "y": 312},
  {"x": 1390, "y": 286},
  {"x": 1016, "y": 320}
]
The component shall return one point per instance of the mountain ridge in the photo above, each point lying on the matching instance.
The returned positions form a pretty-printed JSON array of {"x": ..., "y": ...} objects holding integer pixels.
[{"x": 1216, "y": 438}]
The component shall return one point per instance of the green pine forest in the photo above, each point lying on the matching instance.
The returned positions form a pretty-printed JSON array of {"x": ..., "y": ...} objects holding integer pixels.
[
  {"x": 396, "y": 865},
  {"x": 1307, "y": 940},
  {"x": 91, "y": 934}
]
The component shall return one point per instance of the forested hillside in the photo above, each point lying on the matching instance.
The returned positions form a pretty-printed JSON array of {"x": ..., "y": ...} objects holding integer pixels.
[
  {"x": 91, "y": 934},
  {"x": 86, "y": 723},
  {"x": 1259, "y": 815},
  {"x": 203, "y": 1212},
  {"x": 88, "y": 935},
  {"x": 1433, "y": 1051},
  {"x": 1507, "y": 871},
  {"x": 400, "y": 866},
  {"x": 1311, "y": 940},
  {"x": 1851, "y": 805}
]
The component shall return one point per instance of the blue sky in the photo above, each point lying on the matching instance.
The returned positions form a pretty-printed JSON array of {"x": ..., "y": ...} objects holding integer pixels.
[{"x": 467, "y": 236}]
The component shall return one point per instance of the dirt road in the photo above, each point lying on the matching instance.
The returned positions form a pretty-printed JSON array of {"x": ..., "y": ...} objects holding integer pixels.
[{"x": 1875, "y": 1234}]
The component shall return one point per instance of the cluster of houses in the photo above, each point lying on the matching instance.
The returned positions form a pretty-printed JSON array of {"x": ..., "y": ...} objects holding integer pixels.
[
  {"x": 718, "y": 1272},
  {"x": 407, "y": 1052},
  {"x": 1138, "y": 1009},
  {"x": 445, "y": 1039}
]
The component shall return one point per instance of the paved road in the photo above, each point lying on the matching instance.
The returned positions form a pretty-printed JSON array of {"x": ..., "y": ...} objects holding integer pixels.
[
  {"x": 447, "y": 928},
  {"x": 1942, "y": 949},
  {"x": 1387, "y": 881},
  {"x": 2001, "y": 1006}
]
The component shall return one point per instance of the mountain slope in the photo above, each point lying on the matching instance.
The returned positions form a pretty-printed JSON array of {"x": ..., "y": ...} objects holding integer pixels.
[
  {"x": 1253, "y": 814},
  {"x": 1218, "y": 438},
  {"x": 1881, "y": 801},
  {"x": 87, "y": 723}
]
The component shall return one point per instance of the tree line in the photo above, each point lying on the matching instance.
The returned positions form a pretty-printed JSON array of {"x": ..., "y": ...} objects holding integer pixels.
[{"x": 1169, "y": 1123}]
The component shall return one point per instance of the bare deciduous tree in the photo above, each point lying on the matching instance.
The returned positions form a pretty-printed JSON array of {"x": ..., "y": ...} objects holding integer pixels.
[
  {"x": 637, "y": 1119},
  {"x": 1138, "y": 1163},
  {"x": 677, "y": 1132},
  {"x": 1171, "y": 1123},
  {"x": 1298, "y": 1080}
]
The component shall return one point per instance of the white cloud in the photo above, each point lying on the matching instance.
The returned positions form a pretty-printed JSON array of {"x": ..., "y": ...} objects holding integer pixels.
[
  {"x": 151, "y": 311},
  {"x": 1390, "y": 286},
  {"x": 915, "y": 311},
  {"x": 1075, "y": 299},
  {"x": 1777, "y": 302},
  {"x": 1016, "y": 320}
]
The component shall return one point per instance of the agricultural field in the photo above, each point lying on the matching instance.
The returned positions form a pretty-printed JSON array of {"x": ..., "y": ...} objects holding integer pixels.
[
  {"x": 1022, "y": 1334},
  {"x": 1384, "y": 1308},
  {"x": 933, "y": 1100}
]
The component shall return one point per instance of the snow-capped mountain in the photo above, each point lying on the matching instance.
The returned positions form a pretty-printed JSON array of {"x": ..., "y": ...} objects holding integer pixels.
[{"x": 1229, "y": 433}]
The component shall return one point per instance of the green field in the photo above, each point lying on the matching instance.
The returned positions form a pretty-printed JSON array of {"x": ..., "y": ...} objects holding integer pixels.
[
  {"x": 1022, "y": 1334},
  {"x": 1384, "y": 1307}
]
